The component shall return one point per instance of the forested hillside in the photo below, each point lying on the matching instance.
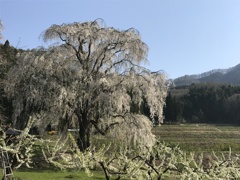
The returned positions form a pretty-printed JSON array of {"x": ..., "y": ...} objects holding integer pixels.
[
  {"x": 229, "y": 75},
  {"x": 203, "y": 103}
]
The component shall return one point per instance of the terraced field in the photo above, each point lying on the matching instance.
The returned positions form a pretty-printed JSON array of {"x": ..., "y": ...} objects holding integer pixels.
[{"x": 200, "y": 137}]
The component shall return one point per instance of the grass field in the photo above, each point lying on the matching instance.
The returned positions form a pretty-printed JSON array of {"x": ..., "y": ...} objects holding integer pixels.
[
  {"x": 189, "y": 137},
  {"x": 200, "y": 137},
  {"x": 55, "y": 175}
]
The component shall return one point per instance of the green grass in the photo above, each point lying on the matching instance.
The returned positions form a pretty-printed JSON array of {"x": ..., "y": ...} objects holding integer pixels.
[
  {"x": 200, "y": 137},
  {"x": 55, "y": 175}
]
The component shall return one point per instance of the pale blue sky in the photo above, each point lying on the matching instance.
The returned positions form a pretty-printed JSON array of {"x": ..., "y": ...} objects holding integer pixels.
[{"x": 184, "y": 36}]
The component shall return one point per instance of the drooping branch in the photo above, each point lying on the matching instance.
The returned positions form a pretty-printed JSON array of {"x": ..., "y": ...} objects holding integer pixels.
[
  {"x": 107, "y": 128},
  {"x": 1, "y": 29}
]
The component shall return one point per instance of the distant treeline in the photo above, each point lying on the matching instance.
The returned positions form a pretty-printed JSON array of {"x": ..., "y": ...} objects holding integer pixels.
[{"x": 203, "y": 103}]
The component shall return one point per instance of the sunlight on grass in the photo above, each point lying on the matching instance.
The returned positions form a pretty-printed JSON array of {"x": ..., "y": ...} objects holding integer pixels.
[{"x": 58, "y": 175}]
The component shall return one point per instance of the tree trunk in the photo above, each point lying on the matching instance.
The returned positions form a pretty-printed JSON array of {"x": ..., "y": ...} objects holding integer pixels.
[
  {"x": 63, "y": 125},
  {"x": 22, "y": 120},
  {"x": 84, "y": 133}
]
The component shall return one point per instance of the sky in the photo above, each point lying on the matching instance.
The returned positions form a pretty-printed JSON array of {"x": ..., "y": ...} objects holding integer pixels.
[{"x": 184, "y": 36}]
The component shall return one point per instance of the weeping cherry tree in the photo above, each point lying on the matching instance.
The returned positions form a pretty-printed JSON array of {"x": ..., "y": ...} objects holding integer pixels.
[
  {"x": 1, "y": 29},
  {"x": 90, "y": 78}
]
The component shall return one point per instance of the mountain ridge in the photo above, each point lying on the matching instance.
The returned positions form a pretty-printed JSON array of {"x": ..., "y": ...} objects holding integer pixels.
[{"x": 229, "y": 75}]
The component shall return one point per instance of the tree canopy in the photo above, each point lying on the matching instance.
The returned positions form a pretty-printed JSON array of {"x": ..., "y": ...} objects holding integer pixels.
[{"x": 89, "y": 78}]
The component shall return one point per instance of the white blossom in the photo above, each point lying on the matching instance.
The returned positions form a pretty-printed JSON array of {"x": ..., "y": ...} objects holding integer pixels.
[{"x": 94, "y": 74}]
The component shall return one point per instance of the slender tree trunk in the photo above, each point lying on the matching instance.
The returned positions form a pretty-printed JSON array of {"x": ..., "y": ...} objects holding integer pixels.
[
  {"x": 63, "y": 125},
  {"x": 84, "y": 133},
  {"x": 105, "y": 170}
]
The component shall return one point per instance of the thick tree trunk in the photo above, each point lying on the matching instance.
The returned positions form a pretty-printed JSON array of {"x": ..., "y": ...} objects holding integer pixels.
[
  {"x": 21, "y": 121},
  {"x": 84, "y": 133}
]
